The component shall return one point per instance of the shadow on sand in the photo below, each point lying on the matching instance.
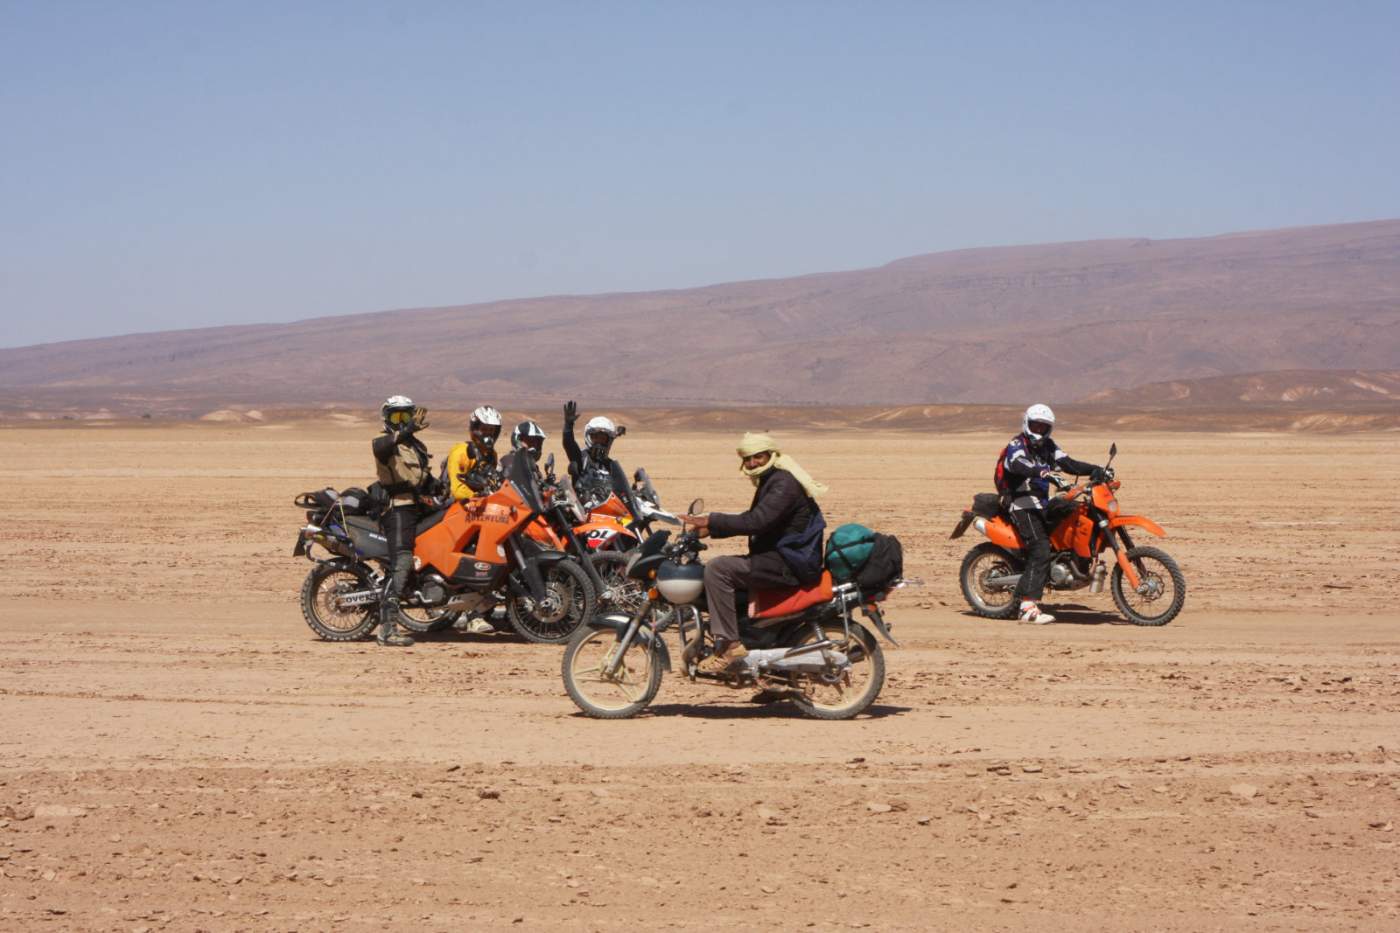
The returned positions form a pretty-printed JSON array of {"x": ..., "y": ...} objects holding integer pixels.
[
  {"x": 780, "y": 710},
  {"x": 1065, "y": 614}
]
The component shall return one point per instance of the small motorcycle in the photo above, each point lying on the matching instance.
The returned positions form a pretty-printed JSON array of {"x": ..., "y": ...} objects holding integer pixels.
[
  {"x": 1147, "y": 585},
  {"x": 804, "y": 645},
  {"x": 467, "y": 556}
]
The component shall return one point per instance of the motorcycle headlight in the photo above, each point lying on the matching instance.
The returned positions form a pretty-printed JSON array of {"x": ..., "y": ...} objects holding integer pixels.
[{"x": 1112, "y": 506}]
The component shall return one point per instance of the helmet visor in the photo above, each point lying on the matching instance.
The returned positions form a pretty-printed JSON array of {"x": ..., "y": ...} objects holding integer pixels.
[
  {"x": 534, "y": 443},
  {"x": 599, "y": 438},
  {"x": 1041, "y": 427}
]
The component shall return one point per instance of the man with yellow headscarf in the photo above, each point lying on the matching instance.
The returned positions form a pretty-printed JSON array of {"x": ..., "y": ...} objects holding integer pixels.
[{"x": 784, "y": 526}]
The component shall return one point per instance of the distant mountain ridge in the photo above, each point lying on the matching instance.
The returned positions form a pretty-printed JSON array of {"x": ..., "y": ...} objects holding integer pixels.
[
  {"x": 1283, "y": 388},
  {"x": 1057, "y": 322}
]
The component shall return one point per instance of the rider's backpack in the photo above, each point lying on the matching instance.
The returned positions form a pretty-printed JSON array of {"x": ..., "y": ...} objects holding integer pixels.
[
  {"x": 885, "y": 566},
  {"x": 1003, "y": 482},
  {"x": 847, "y": 551}
]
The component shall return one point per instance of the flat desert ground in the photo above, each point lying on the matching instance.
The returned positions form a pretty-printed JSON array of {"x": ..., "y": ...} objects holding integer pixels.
[{"x": 178, "y": 752}]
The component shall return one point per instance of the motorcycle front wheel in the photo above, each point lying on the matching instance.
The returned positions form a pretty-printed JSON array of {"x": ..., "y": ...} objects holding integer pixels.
[
  {"x": 627, "y": 595},
  {"x": 320, "y": 601},
  {"x": 1161, "y": 594},
  {"x": 569, "y": 602},
  {"x": 601, "y": 695}
]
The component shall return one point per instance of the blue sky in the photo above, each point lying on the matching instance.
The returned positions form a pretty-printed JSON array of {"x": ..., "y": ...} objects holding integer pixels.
[{"x": 185, "y": 163}]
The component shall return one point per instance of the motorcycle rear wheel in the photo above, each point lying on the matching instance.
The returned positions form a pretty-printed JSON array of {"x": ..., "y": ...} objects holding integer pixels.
[
  {"x": 984, "y": 560},
  {"x": 323, "y": 584},
  {"x": 867, "y": 673},
  {"x": 1156, "y": 568},
  {"x": 620, "y": 696},
  {"x": 422, "y": 621},
  {"x": 575, "y": 603}
]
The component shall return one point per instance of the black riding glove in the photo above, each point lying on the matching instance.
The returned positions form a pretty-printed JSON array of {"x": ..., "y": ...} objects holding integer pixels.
[{"x": 570, "y": 414}]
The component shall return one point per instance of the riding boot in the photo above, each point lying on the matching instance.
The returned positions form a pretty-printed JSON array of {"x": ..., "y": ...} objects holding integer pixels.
[{"x": 389, "y": 636}]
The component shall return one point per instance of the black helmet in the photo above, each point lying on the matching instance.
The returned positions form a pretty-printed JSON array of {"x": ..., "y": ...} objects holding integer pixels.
[{"x": 529, "y": 435}]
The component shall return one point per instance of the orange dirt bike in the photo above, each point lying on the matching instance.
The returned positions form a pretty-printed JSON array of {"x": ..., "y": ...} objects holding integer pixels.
[
  {"x": 467, "y": 556},
  {"x": 1147, "y": 585},
  {"x": 805, "y": 645},
  {"x": 604, "y": 535}
]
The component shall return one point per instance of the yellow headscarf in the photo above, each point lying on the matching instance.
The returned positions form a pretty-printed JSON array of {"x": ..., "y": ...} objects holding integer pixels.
[{"x": 754, "y": 443}]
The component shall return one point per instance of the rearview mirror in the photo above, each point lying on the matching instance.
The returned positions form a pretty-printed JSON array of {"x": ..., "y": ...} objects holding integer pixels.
[
  {"x": 621, "y": 430},
  {"x": 1112, "y": 451},
  {"x": 549, "y": 464},
  {"x": 697, "y": 507}
]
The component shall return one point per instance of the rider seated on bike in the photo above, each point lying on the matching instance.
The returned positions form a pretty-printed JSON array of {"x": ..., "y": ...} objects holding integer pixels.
[
  {"x": 1030, "y": 459},
  {"x": 471, "y": 469},
  {"x": 784, "y": 526},
  {"x": 527, "y": 436},
  {"x": 595, "y": 474}
]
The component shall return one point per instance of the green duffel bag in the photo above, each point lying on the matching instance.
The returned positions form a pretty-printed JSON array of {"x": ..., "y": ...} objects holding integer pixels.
[{"x": 847, "y": 550}]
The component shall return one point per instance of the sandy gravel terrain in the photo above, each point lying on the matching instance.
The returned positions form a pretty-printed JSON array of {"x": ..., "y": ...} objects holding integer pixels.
[{"x": 179, "y": 753}]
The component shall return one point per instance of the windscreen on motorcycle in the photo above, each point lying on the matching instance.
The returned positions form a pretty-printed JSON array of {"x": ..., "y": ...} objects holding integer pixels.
[
  {"x": 617, "y": 484},
  {"x": 522, "y": 478},
  {"x": 641, "y": 484}
]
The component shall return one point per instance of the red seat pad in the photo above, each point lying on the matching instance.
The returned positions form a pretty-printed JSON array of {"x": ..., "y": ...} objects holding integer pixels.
[{"x": 769, "y": 604}]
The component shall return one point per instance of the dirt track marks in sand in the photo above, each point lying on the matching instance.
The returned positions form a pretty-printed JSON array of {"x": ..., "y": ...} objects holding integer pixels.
[{"x": 1236, "y": 769}]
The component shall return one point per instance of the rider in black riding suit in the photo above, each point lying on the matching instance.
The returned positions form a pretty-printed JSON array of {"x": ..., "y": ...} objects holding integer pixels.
[
  {"x": 1030, "y": 459},
  {"x": 595, "y": 473},
  {"x": 402, "y": 464}
]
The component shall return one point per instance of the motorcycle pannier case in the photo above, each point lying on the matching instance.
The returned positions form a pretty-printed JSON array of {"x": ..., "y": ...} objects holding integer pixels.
[{"x": 847, "y": 551}]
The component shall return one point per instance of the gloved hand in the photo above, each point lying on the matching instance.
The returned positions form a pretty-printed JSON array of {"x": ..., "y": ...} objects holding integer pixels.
[
  {"x": 570, "y": 414},
  {"x": 1098, "y": 475},
  {"x": 420, "y": 418}
]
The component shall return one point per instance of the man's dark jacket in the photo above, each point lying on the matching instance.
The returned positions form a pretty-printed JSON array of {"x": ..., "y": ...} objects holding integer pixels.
[{"x": 780, "y": 509}]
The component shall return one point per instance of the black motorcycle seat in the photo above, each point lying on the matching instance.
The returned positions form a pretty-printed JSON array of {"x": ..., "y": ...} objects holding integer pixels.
[
  {"x": 431, "y": 519},
  {"x": 986, "y": 505}
]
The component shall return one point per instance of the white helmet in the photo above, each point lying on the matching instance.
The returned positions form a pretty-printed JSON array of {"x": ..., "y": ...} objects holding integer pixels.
[
  {"x": 486, "y": 425},
  {"x": 1038, "y": 422},
  {"x": 401, "y": 404},
  {"x": 604, "y": 426}
]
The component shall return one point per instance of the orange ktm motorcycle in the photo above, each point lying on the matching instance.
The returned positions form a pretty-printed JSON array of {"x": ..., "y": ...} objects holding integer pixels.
[
  {"x": 602, "y": 539},
  {"x": 466, "y": 557},
  {"x": 1147, "y": 585}
]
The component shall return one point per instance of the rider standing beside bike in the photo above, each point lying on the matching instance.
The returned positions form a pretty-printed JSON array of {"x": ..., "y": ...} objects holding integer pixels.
[
  {"x": 471, "y": 468},
  {"x": 1027, "y": 463},
  {"x": 784, "y": 526},
  {"x": 401, "y": 461}
]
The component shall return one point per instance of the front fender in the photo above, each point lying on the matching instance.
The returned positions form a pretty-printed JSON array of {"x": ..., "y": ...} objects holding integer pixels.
[
  {"x": 618, "y": 623},
  {"x": 1140, "y": 522}
]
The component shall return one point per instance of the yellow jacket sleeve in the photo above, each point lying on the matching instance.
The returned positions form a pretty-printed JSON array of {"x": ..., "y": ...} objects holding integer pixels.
[{"x": 459, "y": 464}]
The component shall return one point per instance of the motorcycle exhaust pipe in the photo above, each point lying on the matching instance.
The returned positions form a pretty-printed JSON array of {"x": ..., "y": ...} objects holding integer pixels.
[
  {"x": 1004, "y": 582},
  {"x": 808, "y": 649}
]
